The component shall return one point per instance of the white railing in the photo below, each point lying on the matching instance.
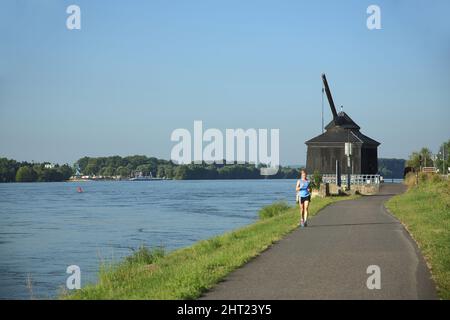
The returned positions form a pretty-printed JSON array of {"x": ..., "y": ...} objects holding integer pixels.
[{"x": 354, "y": 179}]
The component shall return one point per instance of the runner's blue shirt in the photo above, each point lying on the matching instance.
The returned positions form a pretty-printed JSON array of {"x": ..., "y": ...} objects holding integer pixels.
[{"x": 304, "y": 186}]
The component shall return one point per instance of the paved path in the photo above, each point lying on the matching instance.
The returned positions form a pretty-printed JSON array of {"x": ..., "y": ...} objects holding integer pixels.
[{"x": 329, "y": 259}]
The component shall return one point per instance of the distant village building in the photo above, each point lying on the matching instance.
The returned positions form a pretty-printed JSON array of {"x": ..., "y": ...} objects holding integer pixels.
[{"x": 329, "y": 147}]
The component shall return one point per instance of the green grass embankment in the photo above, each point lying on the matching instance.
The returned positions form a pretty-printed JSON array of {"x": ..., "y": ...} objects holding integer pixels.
[
  {"x": 425, "y": 211},
  {"x": 187, "y": 273}
]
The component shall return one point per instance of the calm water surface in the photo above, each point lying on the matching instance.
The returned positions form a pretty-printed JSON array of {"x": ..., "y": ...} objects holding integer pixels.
[{"x": 46, "y": 227}]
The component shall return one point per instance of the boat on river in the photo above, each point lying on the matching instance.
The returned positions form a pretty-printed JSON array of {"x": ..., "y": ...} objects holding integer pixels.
[{"x": 140, "y": 177}]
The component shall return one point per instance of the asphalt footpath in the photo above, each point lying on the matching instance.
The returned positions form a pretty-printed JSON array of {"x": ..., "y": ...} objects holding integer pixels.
[{"x": 352, "y": 249}]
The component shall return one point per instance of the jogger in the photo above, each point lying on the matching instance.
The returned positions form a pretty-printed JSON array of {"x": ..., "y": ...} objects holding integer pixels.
[{"x": 303, "y": 189}]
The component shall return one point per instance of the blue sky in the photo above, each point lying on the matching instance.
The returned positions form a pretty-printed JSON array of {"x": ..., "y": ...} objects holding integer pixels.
[{"x": 137, "y": 70}]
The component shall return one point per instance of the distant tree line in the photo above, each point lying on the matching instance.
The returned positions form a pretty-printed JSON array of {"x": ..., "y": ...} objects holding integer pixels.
[
  {"x": 391, "y": 168},
  {"x": 127, "y": 166},
  {"x": 14, "y": 171},
  {"x": 425, "y": 158}
]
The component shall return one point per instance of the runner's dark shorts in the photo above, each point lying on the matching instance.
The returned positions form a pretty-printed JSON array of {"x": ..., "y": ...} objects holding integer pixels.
[{"x": 303, "y": 199}]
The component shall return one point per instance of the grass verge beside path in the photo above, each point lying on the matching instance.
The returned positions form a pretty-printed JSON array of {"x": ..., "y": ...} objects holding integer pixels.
[
  {"x": 425, "y": 211},
  {"x": 187, "y": 273}
]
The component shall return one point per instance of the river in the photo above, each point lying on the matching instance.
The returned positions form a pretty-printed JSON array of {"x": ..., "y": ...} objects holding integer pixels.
[{"x": 45, "y": 227}]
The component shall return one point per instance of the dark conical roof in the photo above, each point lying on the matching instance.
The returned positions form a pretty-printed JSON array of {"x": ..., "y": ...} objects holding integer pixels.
[
  {"x": 344, "y": 121},
  {"x": 338, "y": 134},
  {"x": 343, "y": 129}
]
